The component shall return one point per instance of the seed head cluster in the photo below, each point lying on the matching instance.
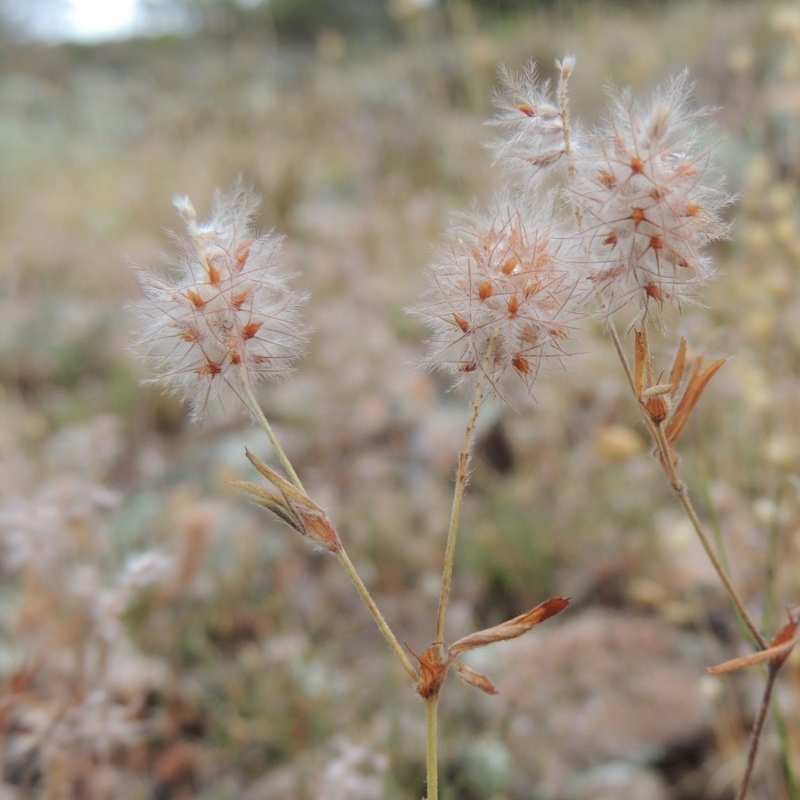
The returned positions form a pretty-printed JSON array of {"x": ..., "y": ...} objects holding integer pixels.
[
  {"x": 616, "y": 218},
  {"x": 499, "y": 298},
  {"x": 532, "y": 122},
  {"x": 650, "y": 198},
  {"x": 227, "y": 318}
]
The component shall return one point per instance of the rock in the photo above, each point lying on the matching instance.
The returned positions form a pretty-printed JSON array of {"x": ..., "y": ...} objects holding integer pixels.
[{"x": 604, "y": 687}]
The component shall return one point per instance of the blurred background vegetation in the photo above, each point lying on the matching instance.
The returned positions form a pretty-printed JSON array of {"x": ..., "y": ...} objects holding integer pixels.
[{"x": 249, "y": 669}]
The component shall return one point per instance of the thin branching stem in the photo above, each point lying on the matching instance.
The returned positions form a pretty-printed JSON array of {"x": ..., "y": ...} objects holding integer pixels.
[
  {"x": 462, "y": 478},
  {"x": 254, "y": 406},
  {"x": 366, "y": 597},
  {"x": 432, "y": 742},
  {"x": 758, "y": 729},
  {"x": 679, "y": 487},
  {"x": 341, "y": 553},
  {"x": 787, "y": 763}
]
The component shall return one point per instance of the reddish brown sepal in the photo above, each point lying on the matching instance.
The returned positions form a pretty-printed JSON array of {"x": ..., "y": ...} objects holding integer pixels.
[{"x": 432, "y": 671}]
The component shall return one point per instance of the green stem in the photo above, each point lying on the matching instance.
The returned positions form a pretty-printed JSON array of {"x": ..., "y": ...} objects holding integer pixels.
[
  {"x": 667, "y": 462},
  {"x": 462, "y": 478},
  {"x": 276, "y": 445},
  {"x": 683, "y": 496},
  {"x": 431, "y": 750},
  {"x": 341, "y": 553},
  {"x": 383, "y": 626}
]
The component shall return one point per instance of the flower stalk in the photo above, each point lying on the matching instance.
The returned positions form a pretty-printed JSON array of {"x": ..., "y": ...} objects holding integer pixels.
[{"x": 462, "y": 478}]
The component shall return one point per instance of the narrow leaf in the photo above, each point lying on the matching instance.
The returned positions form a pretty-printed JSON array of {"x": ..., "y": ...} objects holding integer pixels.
[
  {"x": 780, "y": 647},
  {"x": 298, "y": 509},
  {"x": 287, "y": 489},
  {"x": 473, "y": 678},
  {"x": 678, "y": 366},
  {"x": 780, "y": 651},
  {"x": 697, "y": 383},
  {"x": 272, "y": 502},
  {"x": 265, "y": 495},
  {"x": 510, "y": 629}
]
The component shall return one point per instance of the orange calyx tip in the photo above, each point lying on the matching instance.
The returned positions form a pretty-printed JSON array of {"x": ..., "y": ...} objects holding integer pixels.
[
  {"x": 654, "y": 290},
  {"x": 209, "y": 368},
  {"x": 195, "y": 298},
  {"x": 461, "y": 322},
  {"x": 509, "y": 265},
  {"x": 251, "y": 329},
  {"x": 214, "y": 277},
  {"x": 190, "y": 335},
  {"x": 242, "y": 253},
  {"x": 238, "y": 299},
  {"x": 606, "y": 178},
  {"x": 638, "y": 215},
  {"x": 521, "y": 364},
  {"x": 692, "y": 209}
]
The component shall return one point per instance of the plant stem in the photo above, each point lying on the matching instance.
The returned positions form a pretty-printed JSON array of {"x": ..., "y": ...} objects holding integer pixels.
[
  {"x": 563, "y": 99},
  {"x": 462, "y": 478},
  {"x": 253, "y": 406},
  {"x": 432, "y": 739},
  {"x": 683, "y": 496},
  {"x": 667, "y": 462},
  {"x": 788, "y": 768},
  {"x": 341, "y": 553},
  {"x": 755, "y": 736},
  {"x": 363, "y": 592}
]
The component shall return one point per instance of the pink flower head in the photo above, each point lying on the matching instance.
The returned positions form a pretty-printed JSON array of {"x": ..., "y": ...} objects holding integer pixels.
[
  {"x": 499, "y": 299},
  {"x": 228, "y": 318},
  {"x": 650, "y": 197}
]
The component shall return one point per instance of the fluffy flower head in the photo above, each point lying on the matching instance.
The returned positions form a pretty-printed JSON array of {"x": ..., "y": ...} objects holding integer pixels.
[
  {"x": 650, "y": 196},
  {"x": 532, "y": 118},
  {"x": 227, "y": 318},
  {"x": 499, "y": 300}
]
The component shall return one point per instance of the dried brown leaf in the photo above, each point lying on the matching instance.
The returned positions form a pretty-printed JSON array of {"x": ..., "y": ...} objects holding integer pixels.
[
  {"x": 272, "y": 501},
  {"x": 510, "y": 629},
  {"x": 776, "y": 654},
  {"x": 678, "y": 366},
  {"x": 295, "y": 507},
  {"x": 788, "y": 634},
  {"x": 473, "y": 678},
  {"x": 698, "y": 380}
]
